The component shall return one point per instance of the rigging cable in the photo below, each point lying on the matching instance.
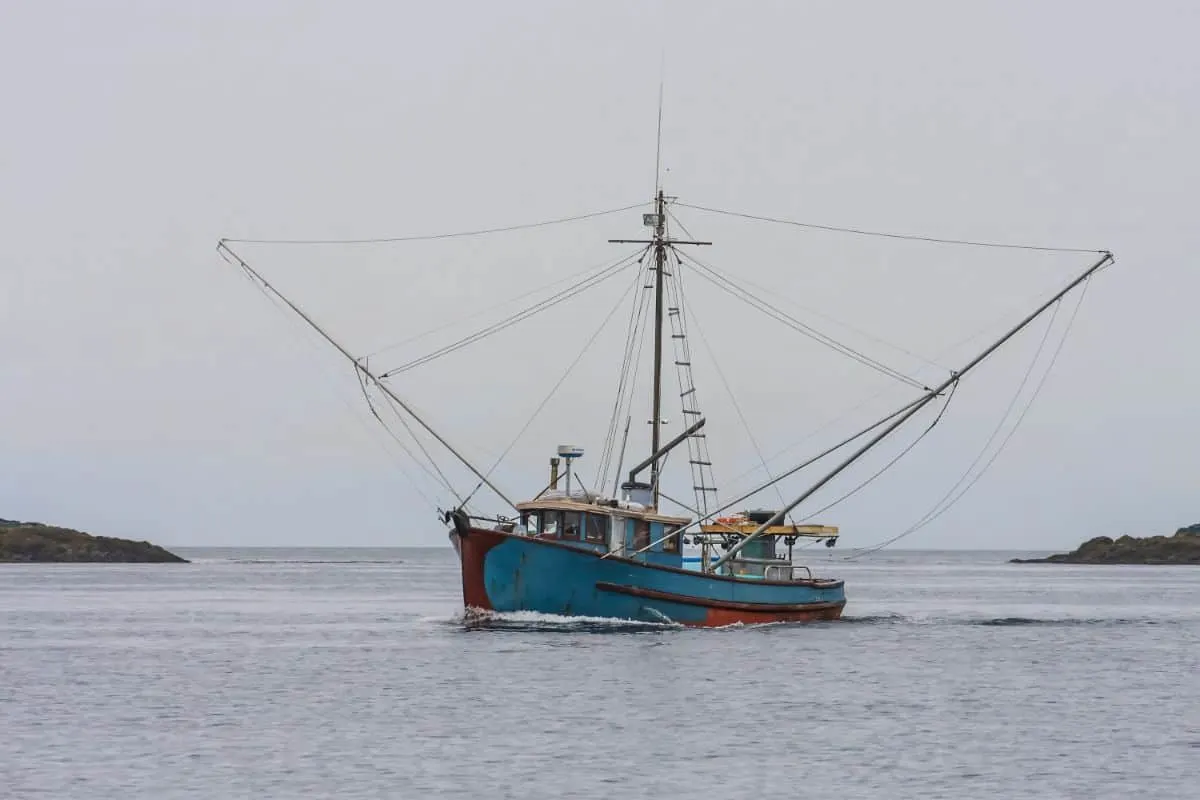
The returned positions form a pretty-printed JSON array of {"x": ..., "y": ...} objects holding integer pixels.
[
  {"x": 627, "y": 386},
  {"x": 483, "y": 311},
  {"x": 934, "y": 512},
  {"x": 571, "y": 291},
  {"x": 835, "y": 321},
  {"x": 905, "y": 236},
  {"x": 440, "y": 476},
  {"x": 456, "y": 235},
  {"x": 631, "y": 332},
  {"x": 727, "y": 285},
  {"x": 721, "y": 374},
  {"x": 554, "y": 389},
  {"x": 814, "y": 459},
  {"x": 275, "y": 303},
  {"x": 637, "y": 358},
  {"x": 892, "y": 462},
  {"x": 834, "y": 420},
  {"x": 758, "y": 450},
  {"x": 632, "y": 387}
]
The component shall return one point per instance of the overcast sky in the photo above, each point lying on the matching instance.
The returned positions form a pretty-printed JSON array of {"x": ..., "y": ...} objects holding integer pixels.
[{"x": 147, "y": 389}]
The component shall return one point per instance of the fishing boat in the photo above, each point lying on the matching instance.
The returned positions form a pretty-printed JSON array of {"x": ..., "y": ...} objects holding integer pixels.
[{"x": 574, "y": 550}]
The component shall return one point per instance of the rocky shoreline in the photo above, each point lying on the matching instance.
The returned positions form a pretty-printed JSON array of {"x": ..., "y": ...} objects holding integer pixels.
[
  {"x": 1181, "y": 548},
  {"x": 34, "y": 542}
]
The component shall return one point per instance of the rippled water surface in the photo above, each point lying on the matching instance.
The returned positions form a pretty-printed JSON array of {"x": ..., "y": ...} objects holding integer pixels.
[{"x": 349, "y": 673}]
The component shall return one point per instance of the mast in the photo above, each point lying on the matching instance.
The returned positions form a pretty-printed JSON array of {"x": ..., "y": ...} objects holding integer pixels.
[
  {"x": 660, "y": 250},
  {"x": 660, "y": 242}
]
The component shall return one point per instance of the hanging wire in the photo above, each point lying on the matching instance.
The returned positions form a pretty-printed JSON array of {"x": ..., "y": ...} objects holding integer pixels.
[
  {"x": 566, "y": 294},
  {"x": 436, "y": 473},
  {"x": 727, "y": 285},
  {"x": 935, "y": 512},
  {"x": 631, "y": 328},
  {"x": 881, "y": 234},
  {"x": 482, "y": 311},
  {"x": 823, "y": 315},
  {"x": 558, "y": 384},
  {"x": 695, "y": 321},
  {"x": 631, "y": 332},
  {"x": 275, "y": 304},
  {"x": 435, "y": 236},
  {"x": 629, "y": 377},
  {"x": 876, "y": 395},
  {"x": 892, "y": 462}
]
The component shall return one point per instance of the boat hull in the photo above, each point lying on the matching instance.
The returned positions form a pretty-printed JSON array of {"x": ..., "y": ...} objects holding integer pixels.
[{"x": 509, "y": 572}]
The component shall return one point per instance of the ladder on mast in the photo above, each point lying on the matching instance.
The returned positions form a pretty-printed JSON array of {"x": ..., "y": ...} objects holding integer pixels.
[{"x": 703, "y": 483}]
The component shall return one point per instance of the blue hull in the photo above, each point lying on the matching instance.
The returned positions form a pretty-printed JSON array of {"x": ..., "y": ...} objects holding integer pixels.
[{"x": 512, "y": 572}]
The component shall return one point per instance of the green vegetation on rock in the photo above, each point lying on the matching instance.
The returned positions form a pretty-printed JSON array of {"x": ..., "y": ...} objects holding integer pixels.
[
  {"x": 33, "y": 541},
  {"x": 1182, "y": 548}
]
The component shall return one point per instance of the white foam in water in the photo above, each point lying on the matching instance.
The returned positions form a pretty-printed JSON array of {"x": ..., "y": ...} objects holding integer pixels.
[{"x": 537, "y": 619}]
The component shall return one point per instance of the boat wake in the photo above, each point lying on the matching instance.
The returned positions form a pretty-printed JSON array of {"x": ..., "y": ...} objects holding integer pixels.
[
  {"x": 553, "y": 623},
  {"x": 533, "y": 621}
]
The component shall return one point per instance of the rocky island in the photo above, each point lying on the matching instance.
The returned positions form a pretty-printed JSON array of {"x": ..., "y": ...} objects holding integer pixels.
[
  {"x": 1182, "y": 548},
  {"x": 33, "y": 541}
]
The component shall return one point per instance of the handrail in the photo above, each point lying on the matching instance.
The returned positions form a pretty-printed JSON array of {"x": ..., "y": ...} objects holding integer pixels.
[{"x": 788, "y": 569}]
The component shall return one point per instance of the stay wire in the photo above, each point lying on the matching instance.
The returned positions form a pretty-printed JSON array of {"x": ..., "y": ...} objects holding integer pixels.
[
  {"x": 727, "y": 285},
  {"x": 439, "y": 477},
  {"x": 436, "y": 236},
  {"x": 885, "y": 235},
  {"x": 811, "y": 460},
  {"x": 834, "y": 320},
  {"x": 934, "y": 512},
  {"x": 481, "y": 312},
  {"x": 489, "y": 330},
  {"x": 407, "y": 427},
  {"x": 274, "y": 302},
  {"x": 1007, "y": 411},
  {"x": 558, "y": 384},
  {"x": 892, "y": 461},
  {"x": 834, "y": 420},
  {"x": 698, "y": 451},
  {"x": 721, "y": 374},
  {"x": 631, "y": 332},
  {"x": 631, "y": 374}
]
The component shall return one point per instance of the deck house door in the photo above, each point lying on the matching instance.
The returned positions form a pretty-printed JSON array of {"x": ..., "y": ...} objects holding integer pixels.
[{"x": 616, "y": 541}]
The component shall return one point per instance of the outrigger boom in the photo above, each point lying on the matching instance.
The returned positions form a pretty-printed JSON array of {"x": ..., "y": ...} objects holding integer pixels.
[
  {"x": 955, "y": 377},
  {"x": 366, "y": 373}
]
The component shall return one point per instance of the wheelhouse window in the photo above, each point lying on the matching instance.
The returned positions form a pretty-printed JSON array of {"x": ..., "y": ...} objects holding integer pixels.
[
  {"x": 671, "y": 543},
  {"x": 641, "y": 533},
  {"x": 551, "y": 524},
  {"x": 596, "y": 531},
  {"x": 531, "y": 522},
  {"x": 572, "y": 524}
]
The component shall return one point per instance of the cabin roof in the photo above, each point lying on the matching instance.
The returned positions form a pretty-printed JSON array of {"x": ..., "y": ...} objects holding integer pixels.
[
  {"x": 561, "y": 504},
  {"x": 821, "y": 531}
]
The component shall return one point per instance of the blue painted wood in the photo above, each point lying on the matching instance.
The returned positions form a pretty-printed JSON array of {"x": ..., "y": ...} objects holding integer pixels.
[{"x": 526, "y": 574}]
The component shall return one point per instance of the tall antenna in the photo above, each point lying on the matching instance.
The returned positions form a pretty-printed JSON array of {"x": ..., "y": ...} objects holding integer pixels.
[{"x": 658, "y": 148}]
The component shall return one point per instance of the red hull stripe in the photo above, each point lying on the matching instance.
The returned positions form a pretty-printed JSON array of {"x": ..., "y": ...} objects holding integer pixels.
[{"x": 724, "y": 605}]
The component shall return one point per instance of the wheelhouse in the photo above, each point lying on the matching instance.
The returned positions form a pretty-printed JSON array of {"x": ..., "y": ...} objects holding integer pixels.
[{"x": 605, "y": 526}]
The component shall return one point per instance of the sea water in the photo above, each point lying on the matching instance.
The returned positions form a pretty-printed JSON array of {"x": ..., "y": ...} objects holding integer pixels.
[{"x": 351, "y": 674}]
